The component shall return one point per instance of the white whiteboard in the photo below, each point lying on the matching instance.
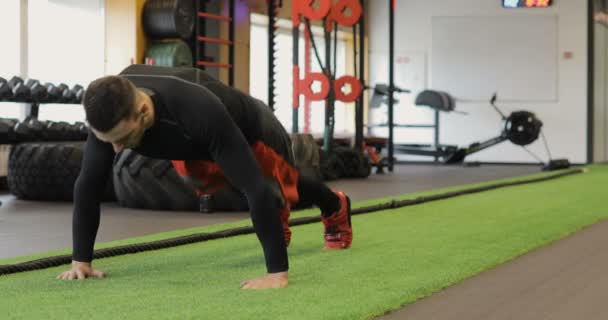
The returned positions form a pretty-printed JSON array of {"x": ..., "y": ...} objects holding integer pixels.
[{"x": 516, "y": 56}]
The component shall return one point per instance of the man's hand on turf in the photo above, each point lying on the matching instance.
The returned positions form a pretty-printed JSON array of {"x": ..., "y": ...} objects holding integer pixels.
[
  {"x": 81, "y": 271},
  {"x": 269, "y": 281}
]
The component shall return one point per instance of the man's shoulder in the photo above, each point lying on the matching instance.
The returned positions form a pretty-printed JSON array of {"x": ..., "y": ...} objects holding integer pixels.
[{"x": 188, "y": 74}]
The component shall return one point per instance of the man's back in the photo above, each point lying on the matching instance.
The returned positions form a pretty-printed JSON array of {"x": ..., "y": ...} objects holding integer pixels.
[
  {"x": 252, "y": 116},
  {"x": 240, "y": 106}
]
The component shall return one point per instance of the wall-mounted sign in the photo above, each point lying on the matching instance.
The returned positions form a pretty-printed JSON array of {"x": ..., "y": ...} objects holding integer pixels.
[{"x": 526, "y": 3}]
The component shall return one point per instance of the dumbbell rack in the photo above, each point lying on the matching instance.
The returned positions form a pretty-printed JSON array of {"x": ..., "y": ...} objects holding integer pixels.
[{"x": 33, "y": 93}]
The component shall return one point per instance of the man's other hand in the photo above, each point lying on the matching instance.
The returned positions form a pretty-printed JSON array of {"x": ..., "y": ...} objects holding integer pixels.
[
  {"x": 81, "y": 271},
  {"x": 269, "y": 281}
]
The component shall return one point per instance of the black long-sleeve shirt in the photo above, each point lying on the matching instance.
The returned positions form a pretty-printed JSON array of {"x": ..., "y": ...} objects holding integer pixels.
[{"x": 199, "y": 119}]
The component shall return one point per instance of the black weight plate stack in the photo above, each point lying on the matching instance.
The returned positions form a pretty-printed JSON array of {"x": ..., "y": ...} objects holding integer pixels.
[{"x": 169, "y": 18}]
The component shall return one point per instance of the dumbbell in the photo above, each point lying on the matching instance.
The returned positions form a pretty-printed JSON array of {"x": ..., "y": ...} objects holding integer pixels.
[
  {"x": 38, "y": 92},
  {"x": 56, "y": 131},
  {"x": 21, "y": 93},
  {"x": 73, "y": 95},
  {"x": 78, "y": 131},
  {"x": 83, "y": 130},
  {"x": 7, "y": 131},
  {"x": 55, "y": 93},
  {"x": 63, "y": 130},
  {"x": 72, "y": 132},
  {"x": 29, "y": 130},
  {"x": 78, "y": 92},
  {"x": 5, "y": 90},
  {"x": 68, "y": 96},
  {"x": 48, "y": 134}
]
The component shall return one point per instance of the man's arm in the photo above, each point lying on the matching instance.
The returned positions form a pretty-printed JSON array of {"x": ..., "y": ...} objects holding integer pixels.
[
  {"x": 206, "y": 119},
  {"x": 88, "y": 191}
]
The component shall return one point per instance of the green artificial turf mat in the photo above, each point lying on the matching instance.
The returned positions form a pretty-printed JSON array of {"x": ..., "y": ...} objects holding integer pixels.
[
  {"x": 247, "y": 222},
  {"x": 398, "y": 256}
]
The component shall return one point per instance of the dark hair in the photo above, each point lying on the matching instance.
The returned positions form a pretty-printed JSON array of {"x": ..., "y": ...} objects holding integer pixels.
[{"x": 107, "y": 101}]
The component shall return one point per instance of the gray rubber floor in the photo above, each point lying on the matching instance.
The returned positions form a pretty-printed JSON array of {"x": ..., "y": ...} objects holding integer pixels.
[
  {"x": 566, "y": 280},
  {"x": 28, "y": 227}
]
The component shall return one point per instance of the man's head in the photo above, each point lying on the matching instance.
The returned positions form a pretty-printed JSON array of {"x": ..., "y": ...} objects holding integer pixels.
[{"x": 117, "y": 112}]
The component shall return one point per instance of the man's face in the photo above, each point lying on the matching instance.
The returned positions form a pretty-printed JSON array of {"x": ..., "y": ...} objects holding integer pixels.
[{"x": 127, "y": 134}]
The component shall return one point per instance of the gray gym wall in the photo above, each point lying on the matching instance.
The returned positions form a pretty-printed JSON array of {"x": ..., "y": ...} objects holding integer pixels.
[{"x": 560, "y": 102}]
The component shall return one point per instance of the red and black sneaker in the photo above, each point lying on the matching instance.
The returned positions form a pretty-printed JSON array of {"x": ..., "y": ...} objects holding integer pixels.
[
  {"x": 285, "y": 221},
  {"x": 338, "y": 227}
]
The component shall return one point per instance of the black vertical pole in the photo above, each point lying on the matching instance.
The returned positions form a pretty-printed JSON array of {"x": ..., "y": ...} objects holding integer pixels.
[
  {"x": 32, "y": 110},
  {"x": 328, "y": 139},
  {"x": 231, "y": 35},
  {"x": 355, "y": 70},
  {"x": 436, "y": 133},
  {"x": 203, "y": 31},
  {"x": 333, "y": 69},
  {"x": 590, "y": 78},
  {"x": 360, "y": 103},
  {"x": 200, "y": 29},
  {"x": 391, "y": 82},
  {"x": 295, "y": 33},
  {"x": 194, "y": 40},
  {"x": 271, "y": 53},
  {"x": 335, "y": 48}
]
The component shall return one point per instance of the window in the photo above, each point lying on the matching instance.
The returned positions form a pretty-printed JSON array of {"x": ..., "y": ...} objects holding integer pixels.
[
  {"x": 66, "y": 45},
  {"x": 344, "y": 113},
  {"x": 9, "y": 24},
  {"x": 9, "y": 56}
]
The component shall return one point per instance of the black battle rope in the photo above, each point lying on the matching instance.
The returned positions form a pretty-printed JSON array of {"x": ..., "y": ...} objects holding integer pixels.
[{"x": 200, "y": 237}]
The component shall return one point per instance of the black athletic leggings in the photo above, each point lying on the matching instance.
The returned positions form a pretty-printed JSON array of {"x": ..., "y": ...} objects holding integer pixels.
[{"x": 312, "y": 192}]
